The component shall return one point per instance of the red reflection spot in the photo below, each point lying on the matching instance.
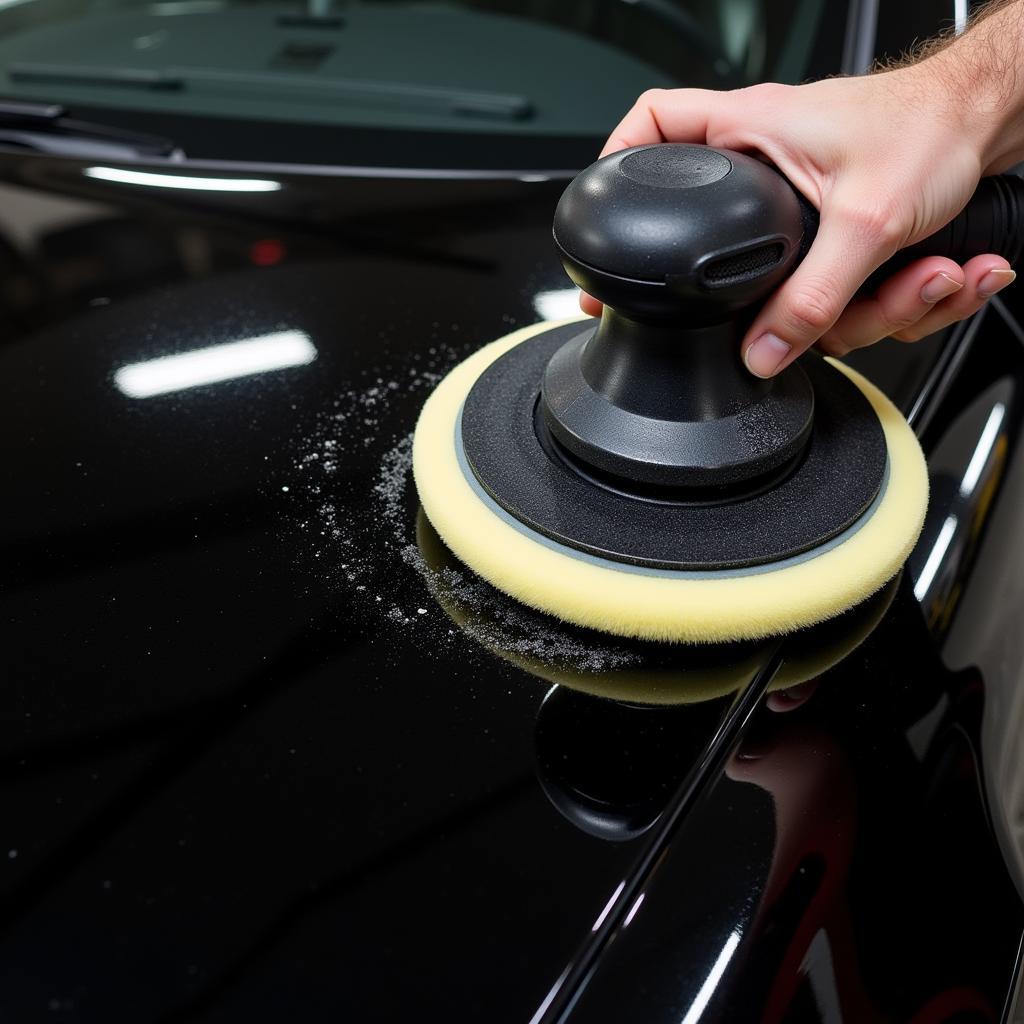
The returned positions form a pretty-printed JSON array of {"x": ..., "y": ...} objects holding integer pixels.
[{"x": 266, "y": 252}]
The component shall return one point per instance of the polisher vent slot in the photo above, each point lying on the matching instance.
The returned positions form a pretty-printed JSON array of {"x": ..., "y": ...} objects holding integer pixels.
[{"x": 743, "y": 266}]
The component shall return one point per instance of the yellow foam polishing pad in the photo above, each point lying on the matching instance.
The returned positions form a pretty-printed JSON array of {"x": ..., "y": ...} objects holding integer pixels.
[
  {"x": 694, "y": 674},
  {"x": 658, "y": 604}
]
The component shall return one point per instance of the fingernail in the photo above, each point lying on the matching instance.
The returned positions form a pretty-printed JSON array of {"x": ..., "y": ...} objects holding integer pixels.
[
  {"x": 765, "y": 355},
  {"x": 994, "y": 281},
  {"x": 941, "y": 286}
]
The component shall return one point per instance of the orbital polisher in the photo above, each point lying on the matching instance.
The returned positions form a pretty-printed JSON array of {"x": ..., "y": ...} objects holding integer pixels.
[{"x": 629, "y": 474}]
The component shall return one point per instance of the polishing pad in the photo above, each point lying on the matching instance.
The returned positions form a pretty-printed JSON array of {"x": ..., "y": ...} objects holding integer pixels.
[
  {"x": 733, "y": 603},
  {"x": 655, "y": 674}
]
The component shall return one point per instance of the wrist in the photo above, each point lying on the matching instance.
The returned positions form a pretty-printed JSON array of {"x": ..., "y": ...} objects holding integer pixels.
[
  {"x": 976, "y": 78},
  {"x": 979, "y": 112}
]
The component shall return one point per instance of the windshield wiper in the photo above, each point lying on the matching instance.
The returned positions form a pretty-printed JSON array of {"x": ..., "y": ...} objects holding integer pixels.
[
  {"x": 457, "y": 102},
  {"x": 47, "y": 128}
]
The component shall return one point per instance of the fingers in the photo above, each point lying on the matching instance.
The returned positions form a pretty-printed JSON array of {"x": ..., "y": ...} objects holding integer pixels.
[
  {"x": 983, "y": 277},
  {"x": 900, "y": 303},
  {"x": 920, "y": 300},
  {"x": 848, "y": 247},
  {"x": 915, "y": 302},
  {"x": 660, "y": 115}
]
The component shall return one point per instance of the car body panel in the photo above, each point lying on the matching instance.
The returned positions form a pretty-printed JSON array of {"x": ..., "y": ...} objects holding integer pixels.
[
  {"x": 240, "y": 786},
  {"x": 268, "y": 752}
]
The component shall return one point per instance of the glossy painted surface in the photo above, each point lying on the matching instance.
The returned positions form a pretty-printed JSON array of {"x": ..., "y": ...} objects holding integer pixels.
[{"x": 266, "y": 754}]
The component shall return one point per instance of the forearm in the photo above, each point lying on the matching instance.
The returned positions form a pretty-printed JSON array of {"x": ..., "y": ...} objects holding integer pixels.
[{"x": 982, "y": 76}]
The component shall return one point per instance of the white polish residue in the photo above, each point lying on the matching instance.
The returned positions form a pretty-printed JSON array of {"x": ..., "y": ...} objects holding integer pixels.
[{"x": 361, "y": 538}]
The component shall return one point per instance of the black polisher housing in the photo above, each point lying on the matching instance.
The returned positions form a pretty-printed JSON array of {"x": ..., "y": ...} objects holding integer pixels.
[
  {"x": 644, "y": 439},
  {"x": 679, "y": 242}
]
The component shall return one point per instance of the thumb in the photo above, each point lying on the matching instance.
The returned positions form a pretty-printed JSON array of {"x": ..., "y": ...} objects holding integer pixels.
[{"x": 853, "y": 241}]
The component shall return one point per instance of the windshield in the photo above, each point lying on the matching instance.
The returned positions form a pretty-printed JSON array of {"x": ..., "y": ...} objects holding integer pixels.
[{"x": 515, "y": 83}]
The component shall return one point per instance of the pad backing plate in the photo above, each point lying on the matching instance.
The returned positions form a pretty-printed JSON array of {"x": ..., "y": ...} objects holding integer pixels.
[{"x": 835, "y": 482}]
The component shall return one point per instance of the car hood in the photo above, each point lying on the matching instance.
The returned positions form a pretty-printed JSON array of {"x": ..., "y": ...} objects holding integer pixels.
[{"x": 270, "y": 750}]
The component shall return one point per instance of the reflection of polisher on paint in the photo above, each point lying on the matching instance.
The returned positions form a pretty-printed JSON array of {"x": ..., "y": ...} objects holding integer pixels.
[
  {"x": 654, "y": 673},
  {"x": 610, "y": 767},
  {"x": 803, "y": 922},
  {"x": 795, "y": 832},
  {"x": 632, "y": 476},
  {"x": 814, "y": 795}
]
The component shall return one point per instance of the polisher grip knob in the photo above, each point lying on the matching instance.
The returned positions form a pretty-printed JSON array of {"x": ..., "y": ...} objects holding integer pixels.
[
  {"x": 678, "y": 242},
  {"x": 992, "y": 221},
  {"x": 678, "y": 233}
]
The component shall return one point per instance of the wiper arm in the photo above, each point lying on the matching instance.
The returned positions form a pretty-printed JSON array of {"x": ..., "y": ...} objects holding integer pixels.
[
  {"x": 47, "y": 128},
  {"x": 458, "y": 102}
]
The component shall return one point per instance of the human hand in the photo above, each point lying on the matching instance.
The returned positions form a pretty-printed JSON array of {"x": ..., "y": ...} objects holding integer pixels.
[{"x": 888, "y": 159}]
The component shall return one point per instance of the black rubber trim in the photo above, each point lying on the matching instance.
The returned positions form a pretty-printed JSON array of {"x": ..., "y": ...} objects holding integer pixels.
[{"x": 835, "y": 482}]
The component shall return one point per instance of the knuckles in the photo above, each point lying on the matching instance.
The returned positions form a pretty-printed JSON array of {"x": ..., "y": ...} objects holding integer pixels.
[
  {"x": 651, "y": 97},
  {"x": 812, "y": 309},
  {"x": 875, "y": 223},
  {"x": 765, "y": 95},
  {"x": 914, "y": 332},
  {"x": 893, "y": 324}
]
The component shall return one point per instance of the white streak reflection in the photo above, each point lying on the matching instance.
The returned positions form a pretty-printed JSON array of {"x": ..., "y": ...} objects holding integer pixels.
[
  {"x": 215, "y": 363},
  {"x": 707, "y": 990},
  {"x": 126, "y": 177},
  {"x": 542, "y": 1009},
  {"x": 935, "y": 557},
  {"x": 633, "y": 909},
  {"x": 608, "y": 906},
  {"x": 983, "y": 450},
  {"x": 959, "y": 16},
  {"x": 557, "y": 304}
]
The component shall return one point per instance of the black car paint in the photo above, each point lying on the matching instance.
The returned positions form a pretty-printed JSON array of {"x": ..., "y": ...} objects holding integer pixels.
[{"x": 237, "y": 787}]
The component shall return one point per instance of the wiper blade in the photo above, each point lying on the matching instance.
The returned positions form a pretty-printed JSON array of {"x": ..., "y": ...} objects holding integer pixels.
[
  {"x": 47, "y": 128},
  {"x": 453, "y": 101}
]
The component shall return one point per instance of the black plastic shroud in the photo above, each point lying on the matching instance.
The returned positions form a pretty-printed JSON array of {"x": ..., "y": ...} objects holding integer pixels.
[{"x": 834, "y": 481}]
